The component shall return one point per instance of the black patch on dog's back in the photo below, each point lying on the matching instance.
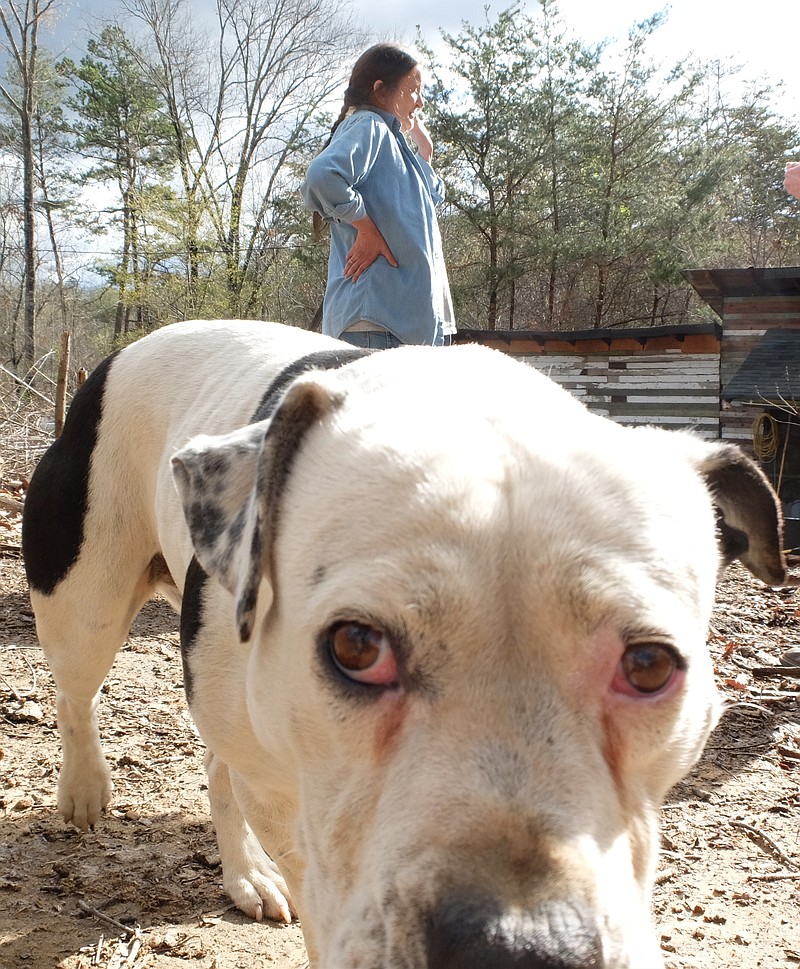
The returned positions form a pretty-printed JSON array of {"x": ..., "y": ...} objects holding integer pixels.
[
  {"x": 320, "y": 360},
  {"x": 55, "y": 505}
]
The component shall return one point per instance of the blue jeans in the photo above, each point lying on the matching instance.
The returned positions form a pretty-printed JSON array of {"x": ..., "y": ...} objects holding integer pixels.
[{"x": 371, "y": 339}]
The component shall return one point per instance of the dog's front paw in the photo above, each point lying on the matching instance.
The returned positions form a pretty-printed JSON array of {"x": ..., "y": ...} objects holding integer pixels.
[
  {"x": 259, "y": 889},
  {"x": 83, "y": 794}
]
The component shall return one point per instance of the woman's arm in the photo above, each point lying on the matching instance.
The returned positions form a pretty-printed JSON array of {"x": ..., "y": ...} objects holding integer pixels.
[
  {"x": 332, "y": 189},
  {"x": 333, "y": 177}
]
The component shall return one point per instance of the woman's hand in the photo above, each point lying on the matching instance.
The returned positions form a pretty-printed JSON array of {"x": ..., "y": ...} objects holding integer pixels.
[
  {"x": 421, "y": 137},
  {"x": 369, "y": 245},
  {"x": 791, "y": 181}
]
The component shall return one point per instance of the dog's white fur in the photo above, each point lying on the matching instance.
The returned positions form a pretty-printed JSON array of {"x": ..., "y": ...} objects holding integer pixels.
[{"x": 500, "y": 795}]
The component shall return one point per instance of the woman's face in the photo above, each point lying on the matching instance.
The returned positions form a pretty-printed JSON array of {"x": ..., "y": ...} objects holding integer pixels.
[{"x": 404, "y": 99}]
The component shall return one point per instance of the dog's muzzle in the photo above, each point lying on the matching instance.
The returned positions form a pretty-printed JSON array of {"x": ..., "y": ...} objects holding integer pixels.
[{"x": 467, "y": 932}]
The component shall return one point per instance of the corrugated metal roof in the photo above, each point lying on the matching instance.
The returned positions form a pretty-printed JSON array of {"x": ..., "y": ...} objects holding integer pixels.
[{"x": 770, "y": 372}]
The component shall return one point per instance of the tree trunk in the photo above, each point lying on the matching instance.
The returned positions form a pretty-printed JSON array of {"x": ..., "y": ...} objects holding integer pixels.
[
  {"x": 20, "y": 22},
  {"x": 61, "y": 385},
  {"x": 29, "y": 221},
  {"x": 62, "y": 293},
  {"x": 491, "y": 314}
]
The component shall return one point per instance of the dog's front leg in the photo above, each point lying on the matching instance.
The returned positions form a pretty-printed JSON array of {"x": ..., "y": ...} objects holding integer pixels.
[{"x": 249, "y": 876}]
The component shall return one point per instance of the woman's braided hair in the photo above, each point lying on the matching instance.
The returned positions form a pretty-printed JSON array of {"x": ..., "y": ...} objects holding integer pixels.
[{"x": 387, "y": 63}]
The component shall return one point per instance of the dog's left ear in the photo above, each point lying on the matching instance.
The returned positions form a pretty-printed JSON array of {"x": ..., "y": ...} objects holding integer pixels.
[
  {"x": 748, "y": 511},
  {"x": 231, "y": 486}
]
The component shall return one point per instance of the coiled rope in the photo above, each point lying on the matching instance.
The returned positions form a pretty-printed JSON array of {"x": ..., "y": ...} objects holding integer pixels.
[{"x": 765, "y": 438}]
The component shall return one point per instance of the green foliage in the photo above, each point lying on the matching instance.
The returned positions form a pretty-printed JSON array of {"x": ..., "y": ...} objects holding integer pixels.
[
  {"x": 121, "y": 123},
  {"x": 583, "y": 181}
]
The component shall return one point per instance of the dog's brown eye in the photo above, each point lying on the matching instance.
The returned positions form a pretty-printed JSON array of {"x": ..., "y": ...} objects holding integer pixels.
[
  {"x": 355, "y": 647},
  {"x": 648, "y": 667},
  {"x": 363, "y": 653}
]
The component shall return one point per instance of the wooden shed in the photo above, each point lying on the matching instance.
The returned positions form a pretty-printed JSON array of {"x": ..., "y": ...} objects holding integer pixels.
[
  {"x": 664, "y": 375},
  {"x": 759, "y": 364}
]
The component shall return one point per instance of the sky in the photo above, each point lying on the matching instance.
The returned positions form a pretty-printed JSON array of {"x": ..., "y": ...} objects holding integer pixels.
[{"x": 764, "y": 38}]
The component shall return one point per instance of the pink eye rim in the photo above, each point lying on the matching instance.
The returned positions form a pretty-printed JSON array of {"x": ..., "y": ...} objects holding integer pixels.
[
  {"x": 362, "y": 653},
  {"x": 648, "y": 670}
]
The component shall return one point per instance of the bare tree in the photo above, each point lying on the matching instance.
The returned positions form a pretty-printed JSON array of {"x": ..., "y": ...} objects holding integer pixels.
[
  {"x": 21, "y": 20},
  {"x": 50, "y": 146},
  {"x": 178, "y": 53},
  {"x": 239, "y": 116}
]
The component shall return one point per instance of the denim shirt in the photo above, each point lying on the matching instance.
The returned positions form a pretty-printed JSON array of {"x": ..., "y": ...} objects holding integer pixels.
[{"x": 369, "y": 169}]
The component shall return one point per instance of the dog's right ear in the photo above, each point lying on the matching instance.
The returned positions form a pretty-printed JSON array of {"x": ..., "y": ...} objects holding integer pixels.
[
  {"x": 231, "y": 488},
  {"x": 749, "y": 517}
]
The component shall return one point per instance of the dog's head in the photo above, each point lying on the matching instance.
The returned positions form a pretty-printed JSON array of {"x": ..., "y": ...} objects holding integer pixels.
[{"x": 476, "y": 618}]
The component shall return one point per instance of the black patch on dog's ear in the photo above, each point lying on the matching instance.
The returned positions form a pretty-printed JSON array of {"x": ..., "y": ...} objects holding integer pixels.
[
  {"x": 192, "y": 620},
  {"x": 214, "y": 477},
  {"x": 304, "y": 404},
  {"x": 733, "y": 542},
  {"x": 57, "y": 497}
]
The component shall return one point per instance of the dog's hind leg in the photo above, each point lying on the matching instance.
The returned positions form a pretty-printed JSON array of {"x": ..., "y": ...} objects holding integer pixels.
[
  {"x": 81, "y": 626},
  {"x": 92, "y": 559}
]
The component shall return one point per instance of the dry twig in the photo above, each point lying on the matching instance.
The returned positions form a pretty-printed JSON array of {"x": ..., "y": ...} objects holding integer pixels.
[
  {"x": 766, "y": 844},
  {"x": 764, "y": 672},
  {"x": 96, "y": 913}
]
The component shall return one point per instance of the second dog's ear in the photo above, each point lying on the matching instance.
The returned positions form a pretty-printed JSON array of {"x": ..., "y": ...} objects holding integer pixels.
[
  {"x": 231, "y": 488},
  {"x": 748, "y": 512}
]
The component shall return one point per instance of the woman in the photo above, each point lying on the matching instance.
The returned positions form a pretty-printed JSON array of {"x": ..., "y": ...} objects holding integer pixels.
[{"x": 387, "y": 282}]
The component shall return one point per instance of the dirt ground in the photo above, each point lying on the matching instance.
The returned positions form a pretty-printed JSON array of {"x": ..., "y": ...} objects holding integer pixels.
[{"x": 144, "y": 888}]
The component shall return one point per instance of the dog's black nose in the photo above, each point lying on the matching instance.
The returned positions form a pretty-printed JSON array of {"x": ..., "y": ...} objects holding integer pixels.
[{"x": 473, "y": 933}]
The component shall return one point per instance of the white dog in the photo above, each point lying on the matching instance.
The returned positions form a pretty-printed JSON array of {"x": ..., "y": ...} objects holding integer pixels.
[{"x": 444, "y": 634}]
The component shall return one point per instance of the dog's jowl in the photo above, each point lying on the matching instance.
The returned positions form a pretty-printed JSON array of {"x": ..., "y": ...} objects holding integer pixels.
[{"x": 443, "y": 631}]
